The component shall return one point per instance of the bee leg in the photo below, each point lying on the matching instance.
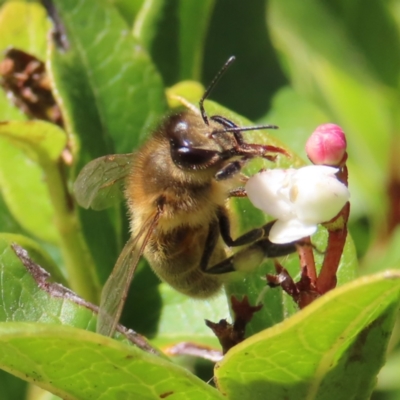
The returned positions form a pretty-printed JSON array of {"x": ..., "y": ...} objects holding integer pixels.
[
  {"x": 250, "y": 150},
  {"x": 259, "y": 150},
  {"x": 231, "y": 169},
  {"x": 211, "y": 242},
  {"x": 229, "y": 124},
  {"x": 238, "y": 192},
  {"x": 248, "y": 237},
  {"x": 251, "y": 257}
]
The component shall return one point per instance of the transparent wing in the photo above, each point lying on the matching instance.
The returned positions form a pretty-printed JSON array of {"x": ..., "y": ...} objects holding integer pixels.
[
  {"x": 116, "y": 288},
  {"x": 99, "y": 183}
]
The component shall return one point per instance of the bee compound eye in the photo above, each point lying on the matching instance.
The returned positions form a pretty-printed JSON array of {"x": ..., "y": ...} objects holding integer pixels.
[{"x": 193, "y": 158}]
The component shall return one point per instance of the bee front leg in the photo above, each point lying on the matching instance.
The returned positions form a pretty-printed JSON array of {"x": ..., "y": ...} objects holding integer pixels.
[{"x": 231, "y": 169}]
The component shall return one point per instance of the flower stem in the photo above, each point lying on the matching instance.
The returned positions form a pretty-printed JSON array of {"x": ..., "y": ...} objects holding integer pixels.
[
  {"x": 336, "y": 241},
  {"x": 306, "y": 257}
]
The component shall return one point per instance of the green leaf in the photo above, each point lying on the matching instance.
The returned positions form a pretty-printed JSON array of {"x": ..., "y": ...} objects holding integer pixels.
[
  {"x": 41, "y": 141},
  {"x": 389, "y": 257},
  {"x": 50, "y": 357},
  {"x": 167, "y": 317},
  {"x": 332, "y": 349},
  {"x": 326, "y": 67},
  {"x": 146, "y": 22},
  {"x": 23, "y": 300},
  {"x": 12, "y": 388},
  {"x": 241, "y": 31},
  {"x": 110, "y": 94},
  {"x": 388, "y": 376},
  {"x": 128, "y": 9},
  {"x": 26, "y": 299},
  {"x": 182, "y": 318},
  {"x": 296, "y": 117},
  {"x": 120, "y": 92},
  {"x": 36, "y": 253},
  {"x": 366, "y": 25},
  {"x": 179, "y": 41},
  {"x": 7, "y": 221},
  {"x": 8, "y": 111},
  {"x": 24, "y": 25},
  {"x": 191, "y": 91},
  {"x": 194, "y": 18},
  {"x": 20, "y": 177},
  {"x": 48, "y": 214}
]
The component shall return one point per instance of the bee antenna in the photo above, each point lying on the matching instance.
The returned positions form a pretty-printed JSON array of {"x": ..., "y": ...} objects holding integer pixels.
[
  {"x": 245, "y": 128},
  {"x": 211, "y": 87}
]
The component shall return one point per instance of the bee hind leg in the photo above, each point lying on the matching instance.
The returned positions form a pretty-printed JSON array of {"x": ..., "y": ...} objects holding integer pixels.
[
  {"x": 248, "y": 237},
  {"x": 260, "y": 247},
  {"x": 252, "y": 256}
]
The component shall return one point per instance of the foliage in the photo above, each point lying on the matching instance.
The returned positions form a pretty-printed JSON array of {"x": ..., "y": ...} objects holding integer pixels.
[{"x": 115, "y": 69}]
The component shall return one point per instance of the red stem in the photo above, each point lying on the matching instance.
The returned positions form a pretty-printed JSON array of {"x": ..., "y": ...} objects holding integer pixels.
[
  {"x": 306, "y": 257},
  {"x": 336, "y": 241}
]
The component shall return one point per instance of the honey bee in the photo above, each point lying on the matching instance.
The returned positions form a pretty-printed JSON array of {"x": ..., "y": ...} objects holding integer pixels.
[{"x": 176, "y": 187}]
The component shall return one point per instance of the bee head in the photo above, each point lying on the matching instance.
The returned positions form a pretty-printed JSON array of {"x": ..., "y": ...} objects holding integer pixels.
[{"x": 192, "y": 144}]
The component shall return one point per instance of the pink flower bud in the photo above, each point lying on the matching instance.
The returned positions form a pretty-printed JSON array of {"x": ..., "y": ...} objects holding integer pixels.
[{"x": 327, "y": 145}]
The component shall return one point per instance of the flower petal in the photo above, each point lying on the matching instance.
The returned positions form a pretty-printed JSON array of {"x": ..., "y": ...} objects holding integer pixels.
[
  {"x": 319, "y": 195},
  {"x": 290, "y": 231},
  {"x": 268, "y": 191}
]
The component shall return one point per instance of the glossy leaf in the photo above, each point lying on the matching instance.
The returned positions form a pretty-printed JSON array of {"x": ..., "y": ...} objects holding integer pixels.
[
  {"x": 12, "y": 387},
  {"x": 36, "y": 253},
  {"x": 111, "y": 95},
  {"x": 28, "y": 151},
  {"x": 25, "y": 299},
  {"x": 128, "y": 9},
  {"x": 20, "y": 176},
  {"x": 7, "y": 222},
  {"x": 194, "y": 19},
  {"x": 119, "y": 371},
  {"x": 332, "y": 349},
  {"x": 117, "y": 106},
  {"x": 167, "y": 317},
  {"x": 365, "y": 26},
  {"x": 182, "y": 318},
  {"x": 250, "y": 83},
  {"x": 146, "y": 22},
  {"x": 24, "y": 25},
  {"x": 41, "y": 141}
]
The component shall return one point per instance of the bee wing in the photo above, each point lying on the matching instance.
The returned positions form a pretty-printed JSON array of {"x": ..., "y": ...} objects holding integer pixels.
[
  {"x": 99, "y": 183},
  {"x": 115, "y": 290}
]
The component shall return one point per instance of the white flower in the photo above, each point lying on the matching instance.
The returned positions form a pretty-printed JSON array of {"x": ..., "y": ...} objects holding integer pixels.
[{"x": 299, "y": 199}]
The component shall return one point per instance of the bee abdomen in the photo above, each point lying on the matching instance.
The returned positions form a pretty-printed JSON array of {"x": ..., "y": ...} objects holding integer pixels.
[
  {"x": 193, "y": 283},
  {"x": 176, "y": 256}
]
